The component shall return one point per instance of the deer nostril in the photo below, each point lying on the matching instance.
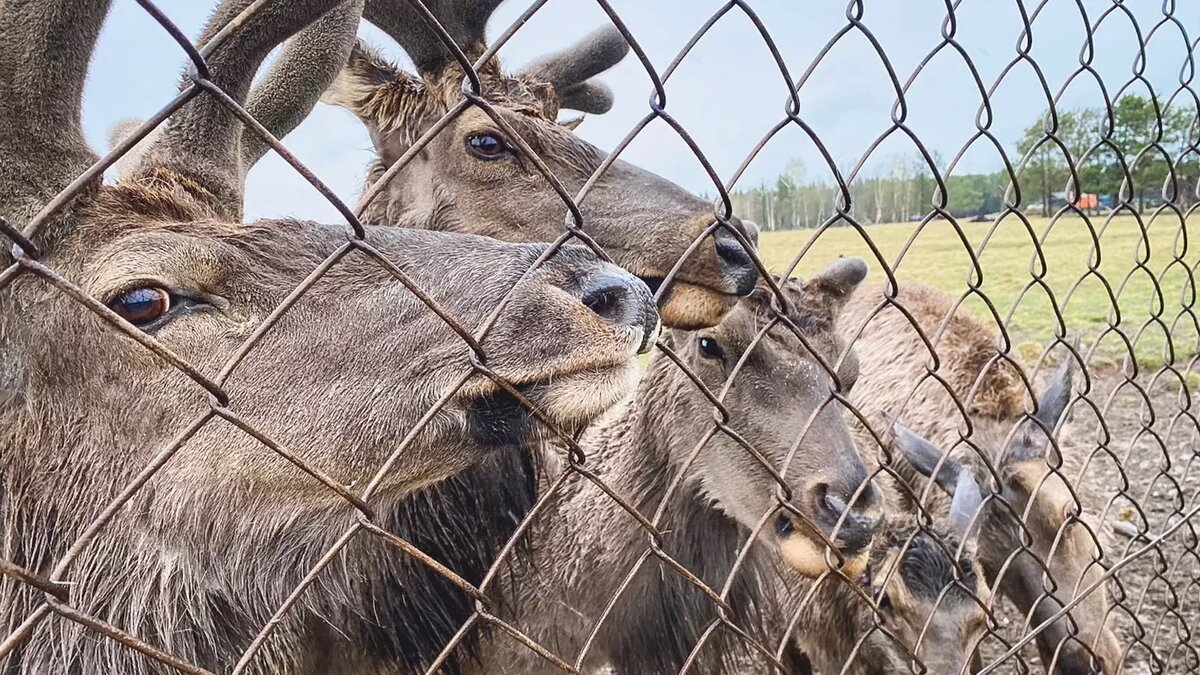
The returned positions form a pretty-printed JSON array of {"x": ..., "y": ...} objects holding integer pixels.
[
  {"x": 624, "y": 301},
  {"x": 827, "y": 502},
  {"x": 784, "y": 527},
  {"x": 835, "y": 504},
  {"x": 851, "y": 527},
  {"x": 604, "y": 301},
  {"x": 736, "y": 263}
]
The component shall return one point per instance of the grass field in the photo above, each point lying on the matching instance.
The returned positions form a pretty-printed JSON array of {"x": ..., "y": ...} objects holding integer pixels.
[{"x": 1146, "y": 267}]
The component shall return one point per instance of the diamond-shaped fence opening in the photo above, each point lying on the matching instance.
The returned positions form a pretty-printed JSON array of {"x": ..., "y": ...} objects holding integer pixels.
[{"x": 289, "y": 447}]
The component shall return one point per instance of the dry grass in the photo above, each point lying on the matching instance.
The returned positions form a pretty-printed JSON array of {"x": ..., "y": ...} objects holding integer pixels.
[{"x": 1089, "y": 269}]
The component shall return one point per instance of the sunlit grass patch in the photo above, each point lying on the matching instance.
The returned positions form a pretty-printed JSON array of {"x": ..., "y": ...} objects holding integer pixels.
[{"x": 1037, "y": 275}]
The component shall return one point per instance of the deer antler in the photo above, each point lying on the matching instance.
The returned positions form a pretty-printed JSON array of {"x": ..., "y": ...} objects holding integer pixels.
[
  {"x": 305, "y": 68},
  {"x": 465, "y": 22},
  {"x": 308, "y": 64},
  {"x": 45, "y": 47},
  {"x": 572, "y": 69},
  {"x": 201, "y": 143}
]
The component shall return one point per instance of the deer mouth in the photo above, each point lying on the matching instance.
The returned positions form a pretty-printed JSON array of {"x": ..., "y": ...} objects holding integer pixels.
[
  {"x": 813, "y": 550},
  {"x": 689, "y": 305},
  {"x": 565, "y": 403}
]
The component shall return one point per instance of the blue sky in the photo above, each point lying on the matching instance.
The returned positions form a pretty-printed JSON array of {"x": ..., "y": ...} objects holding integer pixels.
[{"x": 727, "y": 93}]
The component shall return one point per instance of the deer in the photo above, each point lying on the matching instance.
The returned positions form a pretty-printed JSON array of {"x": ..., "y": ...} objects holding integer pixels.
[
  {"x": 184, "y": 434},
  {"x": 484, "y": 162},
  {"x": 480, "y": 173},
  {"x": 776, "y": 380},
  {"x": 1042, "y": 541},
  {"x": 928, "y": 594},
  {"x": 484, "y": 165}
]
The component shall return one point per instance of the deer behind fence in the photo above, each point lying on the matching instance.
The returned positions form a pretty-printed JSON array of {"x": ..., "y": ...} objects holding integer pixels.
[{"x": 221, "y": 405}]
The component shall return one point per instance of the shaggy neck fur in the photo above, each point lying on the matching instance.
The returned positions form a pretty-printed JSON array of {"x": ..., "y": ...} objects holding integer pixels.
[
  {"x": 198, "y": 586},
  {"x": 669, "y": 613}
]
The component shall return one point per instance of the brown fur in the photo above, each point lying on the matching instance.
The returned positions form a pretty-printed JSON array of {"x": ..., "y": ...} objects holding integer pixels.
[
  {"x": 919, "y": 617},
  {"x": 446, "y": 187},
  {"x": 587, "y": 544},
  {"x": 996, "y": 401},
  {"x": 200, "y": 556}
]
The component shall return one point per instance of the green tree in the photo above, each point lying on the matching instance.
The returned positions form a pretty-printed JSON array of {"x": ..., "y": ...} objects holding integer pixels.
[
  {"x": 1129, "y": 158},
  {"x": 1045, "y": 163},
  {"x": 785, "y": 201}
]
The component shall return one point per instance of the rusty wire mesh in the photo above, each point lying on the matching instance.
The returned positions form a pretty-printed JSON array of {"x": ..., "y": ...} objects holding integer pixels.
[{"x": 1152, "y": 578}]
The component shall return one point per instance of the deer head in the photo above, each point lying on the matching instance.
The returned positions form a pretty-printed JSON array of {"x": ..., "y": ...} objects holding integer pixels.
[
  {"x": 929, "y": 587},
  {"x": 1041, "y": 539},
  {"x": 479, "y": 164},
  {"x": 781, "y": 403},
  {"x": 145, "y": 329}
]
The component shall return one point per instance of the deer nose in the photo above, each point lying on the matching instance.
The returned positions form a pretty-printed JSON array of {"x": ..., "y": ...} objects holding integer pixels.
[
  {"x": 1076, "y": 659},
  {"x": 736, "y": 264},
  {"x": 624, "y": 302},
  {"x": 851, "y": 525}
]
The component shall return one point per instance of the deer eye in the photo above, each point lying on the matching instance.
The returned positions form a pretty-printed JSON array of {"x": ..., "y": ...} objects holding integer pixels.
[
  {"x": 149, "y": 307},
  {"x": 710, "y": 349},
  {"x": 885, "y": 604},
  {"x": 142, "y": 306},
  {"x": 487, "y": 146}
]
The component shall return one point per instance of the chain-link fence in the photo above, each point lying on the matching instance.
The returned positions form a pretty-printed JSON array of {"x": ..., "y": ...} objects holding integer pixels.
[{"x": 374, "y": 458}]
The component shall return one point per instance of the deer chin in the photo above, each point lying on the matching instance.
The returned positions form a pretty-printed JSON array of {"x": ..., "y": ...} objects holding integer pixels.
[
  {"x": 574, "y": 401},
  {"x": 808, "y": 557},
  {"x": 690, "y": 306},
  {"x": 569, "y": 402}
]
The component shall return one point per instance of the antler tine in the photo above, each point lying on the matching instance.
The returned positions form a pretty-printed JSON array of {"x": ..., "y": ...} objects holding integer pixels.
[
  {"x": 571, "y": 70},
  {"x": 201, "y": 143},
  {"x": 465, "y": 22},
  {"x": 306, "y": 67},
  {"x": 45, "y": 48}
]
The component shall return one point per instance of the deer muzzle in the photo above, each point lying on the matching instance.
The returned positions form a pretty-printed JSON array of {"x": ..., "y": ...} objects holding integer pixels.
[{"x": 836, "y": 534}]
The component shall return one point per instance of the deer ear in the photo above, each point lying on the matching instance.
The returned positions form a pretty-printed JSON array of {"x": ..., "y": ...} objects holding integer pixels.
[
  {"x": 965, "y": 505},
  {"x": 1053, "y": 401},
  {"x": 925, "y": 457},
  {"x": 832, "y": 286},
  {"x": 376, "y": 90},
  {"x": 954, "y": 478}
]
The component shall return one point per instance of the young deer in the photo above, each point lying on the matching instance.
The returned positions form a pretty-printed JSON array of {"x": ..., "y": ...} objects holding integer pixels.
[
  {"x": 929, "y": 594},
  {"x": 1043, "y": 497},
  {"x": 476, "y": 175},
  {"x": 119, "y": 386},
  {"x": 779, "y": 396}
]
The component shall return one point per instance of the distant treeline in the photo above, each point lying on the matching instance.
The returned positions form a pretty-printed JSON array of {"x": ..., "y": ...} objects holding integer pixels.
[{"x": 903, "y": 189}]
